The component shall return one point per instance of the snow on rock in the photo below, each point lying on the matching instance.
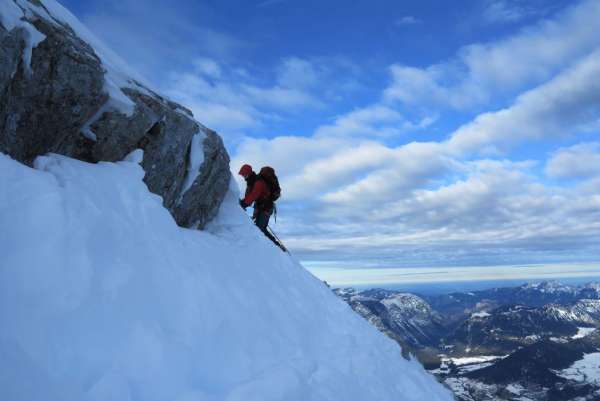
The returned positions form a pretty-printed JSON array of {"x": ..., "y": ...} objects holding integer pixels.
[
  {"x": 12, "y": 16},
  {"x": 15, "y": 14},
  {"x": 585, "y": 370},
  {"x": 103, "y": 297},
  {"x": 583, "y": 332},
  {"x": 118, "y": 74},
  {"x": 481, "y": 314},
  {"x": 475, "y": 359},
  {"x": 136, "y": 156},
  {"x": 196, "y": 158}
]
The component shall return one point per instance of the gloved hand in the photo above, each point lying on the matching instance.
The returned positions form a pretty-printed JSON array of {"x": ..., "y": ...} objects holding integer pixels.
[{"x": 243, "y": 205}]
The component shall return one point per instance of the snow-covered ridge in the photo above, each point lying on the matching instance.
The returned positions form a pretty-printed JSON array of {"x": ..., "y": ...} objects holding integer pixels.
[
  {"x": 118, "y": 75},
  {"x": 103, "y": 297},
  {"x": 550, "y": 287}
]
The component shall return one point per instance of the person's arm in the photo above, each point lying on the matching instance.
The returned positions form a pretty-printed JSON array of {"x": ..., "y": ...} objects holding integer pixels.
[{"x": 257, "y": 190}]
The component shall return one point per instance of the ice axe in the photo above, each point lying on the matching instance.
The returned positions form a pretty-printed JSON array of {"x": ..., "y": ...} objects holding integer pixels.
[{"x": 279, "y": 243}]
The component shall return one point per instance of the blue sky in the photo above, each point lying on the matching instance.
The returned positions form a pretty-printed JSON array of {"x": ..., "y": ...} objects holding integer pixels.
[{"x": 406, "y": 134}]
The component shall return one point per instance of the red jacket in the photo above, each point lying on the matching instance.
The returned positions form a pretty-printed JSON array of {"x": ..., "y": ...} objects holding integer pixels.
[{"x": 260, "y": 191}]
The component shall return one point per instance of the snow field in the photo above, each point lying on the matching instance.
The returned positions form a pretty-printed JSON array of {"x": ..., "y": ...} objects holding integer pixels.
[
  {"x": 103, "y": 297},
  {"x": 583, "y": 332},
  {"x": 585, "y": 370}
]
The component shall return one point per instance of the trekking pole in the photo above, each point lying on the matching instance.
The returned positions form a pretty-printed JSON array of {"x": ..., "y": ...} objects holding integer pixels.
[{"x": 278, "y": 240}]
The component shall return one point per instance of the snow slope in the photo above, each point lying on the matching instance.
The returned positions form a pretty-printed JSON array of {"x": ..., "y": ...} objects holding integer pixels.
[{"x": 103, "y": 297}]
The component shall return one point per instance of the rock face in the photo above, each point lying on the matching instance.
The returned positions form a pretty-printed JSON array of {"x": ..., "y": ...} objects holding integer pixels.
[{"x": 54, "y": 98}]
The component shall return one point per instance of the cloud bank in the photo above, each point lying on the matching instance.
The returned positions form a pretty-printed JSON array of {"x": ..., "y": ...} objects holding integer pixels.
[{"x": 358, "y": 191}]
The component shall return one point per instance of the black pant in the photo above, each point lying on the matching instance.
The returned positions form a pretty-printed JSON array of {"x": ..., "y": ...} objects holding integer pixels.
[{"x": 262, "y": 222}]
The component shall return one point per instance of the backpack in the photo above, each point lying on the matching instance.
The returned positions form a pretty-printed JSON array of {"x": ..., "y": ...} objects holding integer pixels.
[{"x": 267, "y": 174}]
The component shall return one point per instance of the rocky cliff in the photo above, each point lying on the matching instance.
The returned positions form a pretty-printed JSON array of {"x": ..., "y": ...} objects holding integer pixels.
[{"x": 63, "y": 92}]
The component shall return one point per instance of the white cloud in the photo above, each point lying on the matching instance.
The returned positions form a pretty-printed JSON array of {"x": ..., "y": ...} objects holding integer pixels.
[
  {"x": 218, "y": 105},
  {"x": 352, "y": 190},
  {"x": 254, "y": 98},
  {"x": 501, "y": 11},
  {"x": 408, "y": 20},
  {"x": 481, "y": 70},
  {"x": 319, "y": 177},
  {"x": 411, "y": 166},
  {"x": 558, "y": 108},
  {"x": 496, "y": 214},
  {"x": 422, "y": 202},
  {"x": 372, "y": 121},
  {"x": 290, "y": 154},
  {"x": 326, "y": 165},
  {"x": 298, "y": 73},
  {"x": 578, "y": 161},
  {"x": 228, "y": 118},
  {"x": 310, "y": 168},
  {"x": 414, "y": 86},
  {"x": 280, "y": 98},
  {"x": 350, "y": 199},
  {"x": 268, "y": 3},
  {"x": 207, "y": 67},
  {"x": 375, "y": 200},
  {"x": 230, "y": 101}
]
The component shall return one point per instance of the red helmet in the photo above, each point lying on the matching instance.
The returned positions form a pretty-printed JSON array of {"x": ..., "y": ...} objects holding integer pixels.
[{"x": 245, "y": 170}]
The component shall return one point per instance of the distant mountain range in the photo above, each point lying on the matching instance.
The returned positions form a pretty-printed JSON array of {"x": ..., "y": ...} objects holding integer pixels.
[{"x": 536, "y": 341}]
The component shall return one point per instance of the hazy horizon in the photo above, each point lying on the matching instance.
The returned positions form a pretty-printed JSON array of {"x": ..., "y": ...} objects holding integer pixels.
[{"x": 464, "y": 278}]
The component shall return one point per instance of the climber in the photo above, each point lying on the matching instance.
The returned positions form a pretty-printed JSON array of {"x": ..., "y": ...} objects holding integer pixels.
[{"x": 263, "y": 190}]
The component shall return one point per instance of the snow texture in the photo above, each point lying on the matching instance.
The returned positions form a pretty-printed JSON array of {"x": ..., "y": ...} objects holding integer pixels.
[
  {"x": 586, "y": 370},
  {"x": 475, "y": 359},
  {"x": 481, "y": 314},
  {"x": 11, "y": 16},
  {"x": 86, "y": 130},
  {"x": 34, "y": 38},
  {"x": 103, "y": 297},
  {"x": 583, "y": 332},
  {"x": 135, "y": 156}
]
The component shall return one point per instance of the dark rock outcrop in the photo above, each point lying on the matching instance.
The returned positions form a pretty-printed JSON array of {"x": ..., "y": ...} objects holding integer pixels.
[{"x": 59, "y": 103}]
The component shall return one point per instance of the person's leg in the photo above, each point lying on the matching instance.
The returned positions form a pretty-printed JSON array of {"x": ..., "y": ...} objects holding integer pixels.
[{"x": 262, "y": 222}]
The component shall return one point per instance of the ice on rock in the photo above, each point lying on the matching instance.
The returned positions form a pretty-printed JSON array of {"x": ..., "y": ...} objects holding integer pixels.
[
  {"x": 136, "y": 156},
  {"x": 11, "y": 16},
  {"x": 196, "y": 158}
]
